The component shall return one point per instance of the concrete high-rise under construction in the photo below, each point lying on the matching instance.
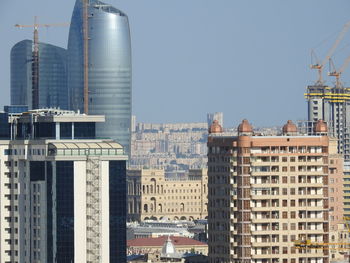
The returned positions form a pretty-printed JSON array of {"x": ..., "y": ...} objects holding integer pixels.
[
  {"x": 108, "y": 68},
  {"x": 331, "y": 104}
]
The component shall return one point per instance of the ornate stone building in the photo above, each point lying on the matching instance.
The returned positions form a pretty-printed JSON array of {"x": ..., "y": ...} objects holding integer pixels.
[{"x": 153, "y": 195}]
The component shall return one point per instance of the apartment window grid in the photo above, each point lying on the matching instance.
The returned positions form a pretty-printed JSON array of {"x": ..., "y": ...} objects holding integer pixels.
[{"x": 297, "y": 173}]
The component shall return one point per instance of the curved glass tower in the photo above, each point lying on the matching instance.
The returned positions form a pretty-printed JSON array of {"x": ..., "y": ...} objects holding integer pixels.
[
  {"x": 109, "y": 68},
  {"x": 52, "y": 75}
]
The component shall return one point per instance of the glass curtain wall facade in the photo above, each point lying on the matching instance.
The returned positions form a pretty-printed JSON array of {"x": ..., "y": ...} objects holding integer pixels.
[
  {"x": 109, "y": 69},
  {"x": 52, "y": 75}
]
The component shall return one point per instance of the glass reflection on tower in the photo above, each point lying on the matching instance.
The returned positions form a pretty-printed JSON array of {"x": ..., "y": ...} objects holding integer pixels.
[{"x": 109, "y": 68}]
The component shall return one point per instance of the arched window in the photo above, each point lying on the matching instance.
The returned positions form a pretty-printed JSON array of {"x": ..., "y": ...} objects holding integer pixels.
[
  {"x": 182, "y": 207},
  {"x": 145, "y": 208}
]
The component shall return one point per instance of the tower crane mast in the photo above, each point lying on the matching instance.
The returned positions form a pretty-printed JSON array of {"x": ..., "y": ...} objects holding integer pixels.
[
  {"x": 336, "y": 73},
  {"x": 35, "y": 57}
]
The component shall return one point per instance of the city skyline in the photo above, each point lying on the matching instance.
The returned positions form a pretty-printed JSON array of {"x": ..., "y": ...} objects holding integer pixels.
[{"x": 208, "y": 48}]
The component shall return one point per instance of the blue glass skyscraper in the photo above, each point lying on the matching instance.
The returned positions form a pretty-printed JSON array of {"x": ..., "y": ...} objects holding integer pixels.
[
  {"x": 52, "y": 71},
  {"x": 109, "y": 68}
]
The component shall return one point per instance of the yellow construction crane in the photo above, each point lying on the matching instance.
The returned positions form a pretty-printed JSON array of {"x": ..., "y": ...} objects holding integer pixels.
[
  {"x": 342, "y": 247},
  {"x": 336, "y": 73},
  {"x": 35, "y": 54},
  {"x": 319, "y": 65}
]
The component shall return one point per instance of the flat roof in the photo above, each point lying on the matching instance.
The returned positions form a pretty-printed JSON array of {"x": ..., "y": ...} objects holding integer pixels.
[{"x": 86, "y": 145}]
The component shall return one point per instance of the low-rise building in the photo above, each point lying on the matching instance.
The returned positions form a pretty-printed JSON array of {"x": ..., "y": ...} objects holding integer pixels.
[
  {"x": 152, "y": 195},
  {"x": 181, "y": 245}
]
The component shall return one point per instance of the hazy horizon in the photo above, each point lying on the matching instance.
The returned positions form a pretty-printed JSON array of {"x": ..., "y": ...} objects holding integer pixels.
[{"x": 246, "y": 59}]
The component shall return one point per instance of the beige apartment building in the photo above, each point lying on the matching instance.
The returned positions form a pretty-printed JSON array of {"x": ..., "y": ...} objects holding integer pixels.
[
  {"x": 151, "y": 195},
  {"x": 265, "y": 192}
]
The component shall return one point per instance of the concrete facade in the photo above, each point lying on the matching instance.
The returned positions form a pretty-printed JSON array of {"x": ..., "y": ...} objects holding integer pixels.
[
  {"x": 265, "y": 192},
  {"x": 152, "y": 196},
  {"x": 55, "y": 201}
]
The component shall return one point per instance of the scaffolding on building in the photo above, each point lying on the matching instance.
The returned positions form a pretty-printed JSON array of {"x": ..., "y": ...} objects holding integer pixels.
[{"x": 93, "y": 210}]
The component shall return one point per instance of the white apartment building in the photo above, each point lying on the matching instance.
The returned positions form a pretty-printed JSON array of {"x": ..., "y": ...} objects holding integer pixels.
[{"x": 62, "y": 192}]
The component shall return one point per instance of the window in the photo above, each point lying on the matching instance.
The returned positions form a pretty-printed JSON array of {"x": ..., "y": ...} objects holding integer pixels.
[
  {"x": 285, "y": 215},
  {"x": 285, "y": 179},
  {"x": 293, "y": 215},
  {"x": 284, "y": 159},
  {"x": 284, "y": 169},
  {"x": 285, "y": 251},
  {"x": 292, "y": 191},
  {"x": 292, "y": 227},
  {"x": 284, "y": 203},
  {"x": 292, "y": 180},
  {"x": 285, "y": 238},
  {"x": 285, "y": 226},
  {"x": 292, "y": 202}
]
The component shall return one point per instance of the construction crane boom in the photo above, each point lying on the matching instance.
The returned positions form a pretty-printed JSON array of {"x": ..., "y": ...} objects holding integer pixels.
[
  {"x": 337, "y": 73},
  {"x": 319, "y": 65},
  {"x": 35, "y": 58},
  {"x": 42, "y": 25},
  {"x": 343, "y": 247}
]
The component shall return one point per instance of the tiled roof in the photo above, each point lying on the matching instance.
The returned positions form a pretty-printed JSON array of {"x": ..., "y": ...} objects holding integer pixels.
[{"x": 159, "y": 241}]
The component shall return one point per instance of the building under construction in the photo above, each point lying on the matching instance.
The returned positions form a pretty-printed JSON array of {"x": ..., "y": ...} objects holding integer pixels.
[
  {"x": 331, "y": 104},
  {"x": 50, "y": 90}
]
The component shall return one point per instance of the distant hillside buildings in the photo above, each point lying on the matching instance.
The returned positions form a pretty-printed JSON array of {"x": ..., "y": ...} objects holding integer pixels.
[{"x": 177, "y": 146}]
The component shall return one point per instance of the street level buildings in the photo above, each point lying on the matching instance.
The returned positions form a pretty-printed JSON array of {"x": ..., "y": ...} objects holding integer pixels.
[
  {"x": 265, "y": 192},
  {"x": 155, "y": 244},
  {"x": 109, "y": 68},
  {"x": 152, "y": 195},
  {"x": 63, "y": 195},
  {"x": 52, "y": 75}
]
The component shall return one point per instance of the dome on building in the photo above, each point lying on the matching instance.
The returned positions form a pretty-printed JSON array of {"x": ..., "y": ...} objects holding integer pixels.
[
  {"x": 245, "y": 127},
  {"x": 289, "y": 127},
  {"x": 320, "y": 127},
  {"x": 215, "y": 127},
  {"x": 168, "y": 248}
]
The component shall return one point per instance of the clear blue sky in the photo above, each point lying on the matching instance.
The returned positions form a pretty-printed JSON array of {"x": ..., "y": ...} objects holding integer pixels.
[{"x": 248, "y": 59}]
